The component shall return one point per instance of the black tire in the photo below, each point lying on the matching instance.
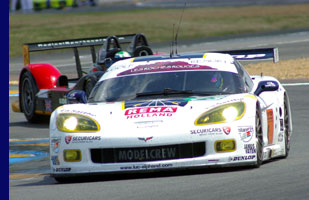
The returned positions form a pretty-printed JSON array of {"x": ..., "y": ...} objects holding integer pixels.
[
  {"x": 286, "y": 128},
  {"x": 259, "y": 138},
  {"x": 142, "y": 51},
  {"x": 28, "y": 91},
  {"x": 89, "y": 85}
]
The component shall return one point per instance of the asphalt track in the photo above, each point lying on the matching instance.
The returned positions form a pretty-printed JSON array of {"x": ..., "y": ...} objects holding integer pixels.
[{"x": 278, "y": 179}]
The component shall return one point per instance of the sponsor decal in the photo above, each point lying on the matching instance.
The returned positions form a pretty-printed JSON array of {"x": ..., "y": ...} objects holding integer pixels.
[
  {"x": 250, "y": 56},
  {"x": 150, "y": 115},
  {"x": 55, "y": 160},
  {"x": 246, "y": 133},
  {"x": 154, "y": 108},
  {"x": 81, "y": 139},
  {"x": 54, "y": 144},
  {"x": 146, "y": 166},
  {"x": 55, "y": 140},
  {"x": 250, "y": 148},
  {"x": 63, "y": 101},
  {"x": 71, "y": 43},
  {"x": 67, "y": 169},
  {"x": 149, "y": 103},
  {"x": 68, "y": 139},
  {"x": 150, "y": 110},
  {"x": 230, "y": 101},
  {"x": 270, "y": 84},
  {"x": 227, "y": 130},
  {"x": 148, "y": 124},
  {"x": 147, "y": 154},
  {"x": 270, "y": 122},
  {"x": 240, "y": 158},
  {"x": 211, "y": 98},
  {"x": 48, "y": 105},
  {"x": 164, "y": 67},
  {"x": 227, "y": 102},
  {"x": 217, "y": 61},
  {"x": 77, "y": 112},
  {"x": 145, "y": 139},
  {"x": 214, "y": 160},
  {"x": 207, "y": 131}
]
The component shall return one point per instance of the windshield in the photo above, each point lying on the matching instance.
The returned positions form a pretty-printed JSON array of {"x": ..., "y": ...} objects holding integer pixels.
[{"x": 160, "y": 85}]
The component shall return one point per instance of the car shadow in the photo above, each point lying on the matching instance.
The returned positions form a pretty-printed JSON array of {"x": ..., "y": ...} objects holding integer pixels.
[
  {"x": 48, "y": 180},
  {"x": 42, "y": 124}
]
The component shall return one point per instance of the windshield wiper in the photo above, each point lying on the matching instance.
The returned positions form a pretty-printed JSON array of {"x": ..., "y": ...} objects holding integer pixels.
[
  {"x": 209, "y": 93},
  {"x": 166, "y": 91}
]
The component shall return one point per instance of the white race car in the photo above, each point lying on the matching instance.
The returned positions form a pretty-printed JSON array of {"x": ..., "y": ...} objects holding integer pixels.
[{"x": 172, "y": 111}]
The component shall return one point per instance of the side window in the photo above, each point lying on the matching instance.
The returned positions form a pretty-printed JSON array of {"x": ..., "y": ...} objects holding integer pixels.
[{"x": 244, "y": 75}]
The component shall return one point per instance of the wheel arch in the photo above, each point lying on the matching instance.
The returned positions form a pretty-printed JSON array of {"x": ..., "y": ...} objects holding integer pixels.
[
  {"x": 259, "y": 135},
  {"x": 286, "y": 98},
  {"x": 45, "y": 77}
]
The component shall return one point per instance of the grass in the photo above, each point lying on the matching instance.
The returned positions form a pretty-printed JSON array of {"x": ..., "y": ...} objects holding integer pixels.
[{"x": 156, "y": 24}]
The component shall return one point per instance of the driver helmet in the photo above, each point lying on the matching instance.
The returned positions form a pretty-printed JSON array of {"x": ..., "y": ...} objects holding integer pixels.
[
  {"x": 217, "y": 80},
  {"x": 122, "y": 54}
]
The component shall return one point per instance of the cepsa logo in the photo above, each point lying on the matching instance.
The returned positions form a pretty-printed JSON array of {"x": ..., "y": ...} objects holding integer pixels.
[{"x": 157, "y": 111}]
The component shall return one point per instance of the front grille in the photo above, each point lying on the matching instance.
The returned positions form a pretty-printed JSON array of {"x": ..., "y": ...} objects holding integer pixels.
[{"x": 141, "y": 154}]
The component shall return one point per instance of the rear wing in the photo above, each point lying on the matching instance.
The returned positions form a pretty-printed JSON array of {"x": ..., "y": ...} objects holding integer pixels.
[
  {"x": 73, "y": 44},
  {"x": 254, "y": 54}
]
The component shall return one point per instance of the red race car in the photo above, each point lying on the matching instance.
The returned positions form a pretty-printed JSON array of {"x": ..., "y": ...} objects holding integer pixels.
[{"x": 43, "y": 88}]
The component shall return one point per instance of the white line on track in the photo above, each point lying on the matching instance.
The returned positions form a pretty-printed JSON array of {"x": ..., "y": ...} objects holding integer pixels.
[
  {"x": 26, "y": 139},
  {"x": 295, "y": 84}
]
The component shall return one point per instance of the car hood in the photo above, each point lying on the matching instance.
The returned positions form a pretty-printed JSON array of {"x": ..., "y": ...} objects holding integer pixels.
[{"x": 174, "y": 115}]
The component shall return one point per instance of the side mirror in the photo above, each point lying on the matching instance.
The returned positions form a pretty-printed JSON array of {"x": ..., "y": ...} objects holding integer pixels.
[
  {"x": 266, "y": 86},
  {"x": 77, "y": 96}
]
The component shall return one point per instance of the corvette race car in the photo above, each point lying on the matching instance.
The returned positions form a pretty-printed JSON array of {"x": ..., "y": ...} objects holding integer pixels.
[
  {"x": 165, "y": 112},
  {"x": 43, "y": 87}
]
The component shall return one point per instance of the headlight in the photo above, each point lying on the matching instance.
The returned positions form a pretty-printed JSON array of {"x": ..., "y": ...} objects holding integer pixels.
[
  {"x": 68, "y": 122},
  {"x": 225, "y": 113}
]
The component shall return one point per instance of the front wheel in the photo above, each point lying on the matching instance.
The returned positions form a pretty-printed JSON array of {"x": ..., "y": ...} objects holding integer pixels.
[
  {"x": 89, "y": 85},
  {"x": 28, "y": 102},
  {"x": 259, "y": 139},
  {"x": 286, "y": 129}
]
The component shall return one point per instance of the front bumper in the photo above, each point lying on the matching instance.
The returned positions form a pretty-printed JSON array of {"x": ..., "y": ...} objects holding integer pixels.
[{"x": 61, "y": 168}]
